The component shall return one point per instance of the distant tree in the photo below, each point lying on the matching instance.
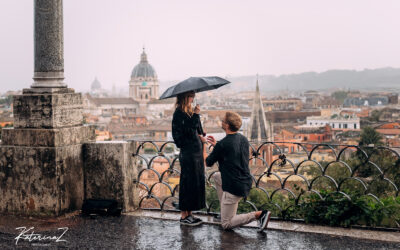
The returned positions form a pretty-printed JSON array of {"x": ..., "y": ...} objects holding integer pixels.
[
  {"x": 375, "y": 115},
  {"x": 339, "y": 96},
  {"x": 8, "y": 100},
  {"x": 370, "y": 136}
]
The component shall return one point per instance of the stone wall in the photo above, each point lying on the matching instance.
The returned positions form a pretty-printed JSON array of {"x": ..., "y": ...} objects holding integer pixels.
[
  {"x": 41, "y": 180},
  {"x": 110, "y": 172},
  {"x": 50, "y": 181}
]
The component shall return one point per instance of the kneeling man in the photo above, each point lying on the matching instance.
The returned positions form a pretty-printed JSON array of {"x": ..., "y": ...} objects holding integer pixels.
[{"x": 234, "y": 181}]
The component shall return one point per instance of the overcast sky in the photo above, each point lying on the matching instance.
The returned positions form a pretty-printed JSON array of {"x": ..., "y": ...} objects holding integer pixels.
[{"x": 185, "y": 38}]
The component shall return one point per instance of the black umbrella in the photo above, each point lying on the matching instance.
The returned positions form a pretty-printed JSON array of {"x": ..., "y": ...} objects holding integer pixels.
[{"x": 196, "y": 84}]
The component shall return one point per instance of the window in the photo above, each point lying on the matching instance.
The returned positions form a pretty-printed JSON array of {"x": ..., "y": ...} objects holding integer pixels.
[
  {"x": 333, "y": 125},
  {"x": 355, "y": 125},
  {"x": 340, "y": 125},
  {"x": 344, "y": 125},
  {"x": 305, "y": 138}
]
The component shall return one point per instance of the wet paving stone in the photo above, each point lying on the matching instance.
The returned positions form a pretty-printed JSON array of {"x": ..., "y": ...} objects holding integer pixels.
[{"x": 130, "y": 232}]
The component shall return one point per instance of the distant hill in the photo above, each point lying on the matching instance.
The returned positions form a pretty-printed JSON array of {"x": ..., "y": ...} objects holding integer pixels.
[{"x": 373, "y": 79}]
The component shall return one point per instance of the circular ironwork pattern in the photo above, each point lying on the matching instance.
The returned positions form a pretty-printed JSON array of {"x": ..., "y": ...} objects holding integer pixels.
[{"x": 286, "y": 174}]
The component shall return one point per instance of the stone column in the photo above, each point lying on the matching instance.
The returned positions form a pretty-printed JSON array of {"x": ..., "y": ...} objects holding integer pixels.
[
  {"x": 49, "y": 47},
  {"x": 41, "y": 165}
]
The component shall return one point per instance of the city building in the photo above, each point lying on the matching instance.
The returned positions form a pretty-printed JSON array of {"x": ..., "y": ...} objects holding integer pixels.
[
  {"x": 259, "y": 128},
  {"x": 96, "y": 89},
  {"x": 292, "y": 104},
  {"x": 391, "y": 133},
  {"x": 335, "y": 121},
  {"x": 143, "y": 85},
  {"x": 109, "y": 106},
  {"x": 366, "y": 101}
]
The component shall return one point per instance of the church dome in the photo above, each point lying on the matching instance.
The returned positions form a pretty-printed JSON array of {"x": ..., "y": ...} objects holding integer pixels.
[
  {"x": 96, "y": 84},
  {"x": 143, "y": 69}
]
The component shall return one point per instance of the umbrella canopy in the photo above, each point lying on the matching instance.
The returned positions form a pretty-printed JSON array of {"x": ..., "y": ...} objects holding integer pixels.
[{"x": 196, "y": 84}]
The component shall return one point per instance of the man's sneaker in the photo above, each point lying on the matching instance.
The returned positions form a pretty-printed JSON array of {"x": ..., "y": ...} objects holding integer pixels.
[
  {"x": 191, "y": 221},
  {"x": 263, "y": 220}
]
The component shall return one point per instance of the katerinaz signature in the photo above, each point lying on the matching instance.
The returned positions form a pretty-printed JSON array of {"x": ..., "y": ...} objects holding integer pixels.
[{"x": 29, "y": 235}]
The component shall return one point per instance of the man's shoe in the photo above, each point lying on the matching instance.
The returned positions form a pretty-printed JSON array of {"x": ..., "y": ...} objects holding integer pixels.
[
  {"x": 191, "y": 221},
  {"x": 264, "y": 220}
]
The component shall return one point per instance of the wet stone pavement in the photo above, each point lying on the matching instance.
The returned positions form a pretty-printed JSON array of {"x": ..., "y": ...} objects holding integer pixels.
[{"x": 130, "y": 232}]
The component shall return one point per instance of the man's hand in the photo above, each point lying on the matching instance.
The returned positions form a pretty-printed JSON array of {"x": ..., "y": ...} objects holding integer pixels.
[
  {"x": 197, "y": 109},
  {"x": 211, "y": 140}
]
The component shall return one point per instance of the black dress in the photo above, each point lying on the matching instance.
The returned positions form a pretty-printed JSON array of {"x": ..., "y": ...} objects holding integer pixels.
[{"x": 192, "y": 179}]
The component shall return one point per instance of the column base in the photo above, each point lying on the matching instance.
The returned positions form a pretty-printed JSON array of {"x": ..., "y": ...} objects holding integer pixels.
[
  {"x": 41, "y": 181},
  {"x": 49, "y": 80}
]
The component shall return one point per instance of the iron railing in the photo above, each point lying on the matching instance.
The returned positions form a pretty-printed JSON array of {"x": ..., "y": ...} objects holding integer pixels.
[{"x": 285, "y": 176}]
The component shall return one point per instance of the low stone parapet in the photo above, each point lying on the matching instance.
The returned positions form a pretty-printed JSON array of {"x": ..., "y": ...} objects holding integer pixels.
[{"x": 110, "y": 172}]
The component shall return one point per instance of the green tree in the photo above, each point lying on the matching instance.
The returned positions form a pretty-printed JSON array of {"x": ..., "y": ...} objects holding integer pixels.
[
  {"x": 8, "y": 100},
  {"x": 370, "y": 136},
  {"x": 375, "y": 115},
  {"x": 339, "y": 96}
]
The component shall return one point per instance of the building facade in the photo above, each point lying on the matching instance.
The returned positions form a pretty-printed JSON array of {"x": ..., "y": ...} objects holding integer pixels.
[
  {"x": 335, "y": 122},
  {"x": 143, "y": 85}
]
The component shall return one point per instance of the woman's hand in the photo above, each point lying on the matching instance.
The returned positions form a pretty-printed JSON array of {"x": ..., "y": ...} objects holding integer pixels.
[
  {"x": 197, "y": 109},
  {"x": 211, "y": 140},
  {"x": 203, "y": 139}
]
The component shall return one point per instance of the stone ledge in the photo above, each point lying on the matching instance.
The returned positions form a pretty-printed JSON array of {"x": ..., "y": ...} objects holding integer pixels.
[
  {"x": 39, "y": 90},
  {"x": 375, "y": 235},
  {"x": 55, "y": 137}
]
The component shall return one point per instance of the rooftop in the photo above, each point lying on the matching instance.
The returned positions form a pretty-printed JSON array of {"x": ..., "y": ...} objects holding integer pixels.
[
  {"x": 332, "y": 118},
  {"x": 112, "y": 100}
]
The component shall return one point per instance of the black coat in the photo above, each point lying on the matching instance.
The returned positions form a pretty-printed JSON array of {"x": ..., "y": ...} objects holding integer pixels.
[
  {"x": 232, "y": 154},
  {"x": 192, "y": 179}
]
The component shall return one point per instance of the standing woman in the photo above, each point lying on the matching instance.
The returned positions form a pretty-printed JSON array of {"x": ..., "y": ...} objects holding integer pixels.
[{"x": 185, "y": 131}]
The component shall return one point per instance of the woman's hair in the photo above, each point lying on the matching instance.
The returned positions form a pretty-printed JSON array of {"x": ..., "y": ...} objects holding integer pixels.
[
  {"x": 182, "y": 102},
  {"x": 233, "y": 120}
]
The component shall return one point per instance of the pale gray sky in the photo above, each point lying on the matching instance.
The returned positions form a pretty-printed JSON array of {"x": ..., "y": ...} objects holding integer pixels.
[{"x": 185, "y": 38}]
